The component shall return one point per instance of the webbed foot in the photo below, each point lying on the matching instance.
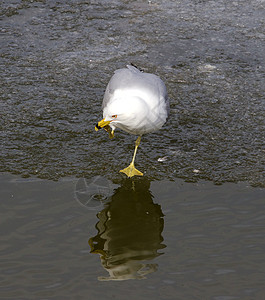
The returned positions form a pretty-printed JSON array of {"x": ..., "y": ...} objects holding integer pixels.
[
  {"x": 131, "y": 171},
  {"x": 111, "y": 132}
]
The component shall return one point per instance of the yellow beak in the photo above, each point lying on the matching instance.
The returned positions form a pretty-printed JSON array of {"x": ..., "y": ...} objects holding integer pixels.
[{"x": 101, "y": 124}]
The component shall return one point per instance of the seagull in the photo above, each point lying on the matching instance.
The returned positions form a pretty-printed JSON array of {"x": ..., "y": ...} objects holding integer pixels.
[{"x": 135, "y": 102}]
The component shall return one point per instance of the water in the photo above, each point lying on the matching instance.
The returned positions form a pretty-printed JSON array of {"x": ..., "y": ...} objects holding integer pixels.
[
  {"x": 186, "y": 240},
  {"x": 193, "y": 226}
]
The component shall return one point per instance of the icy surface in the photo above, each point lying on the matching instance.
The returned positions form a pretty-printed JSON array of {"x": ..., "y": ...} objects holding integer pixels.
[{"x": 57, "y": 57}]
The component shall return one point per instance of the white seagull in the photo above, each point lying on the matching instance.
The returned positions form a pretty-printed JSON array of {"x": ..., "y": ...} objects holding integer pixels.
[{"x": 135, "y": 102}]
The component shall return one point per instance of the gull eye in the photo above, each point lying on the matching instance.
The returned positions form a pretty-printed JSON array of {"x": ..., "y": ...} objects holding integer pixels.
[{"x": 114, "y": 116}]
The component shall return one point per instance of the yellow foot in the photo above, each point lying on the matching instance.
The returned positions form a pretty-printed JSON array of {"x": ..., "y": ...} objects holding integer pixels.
[
  {"x": 131, "y": 171},
  {"x": 111, "y": 132}
]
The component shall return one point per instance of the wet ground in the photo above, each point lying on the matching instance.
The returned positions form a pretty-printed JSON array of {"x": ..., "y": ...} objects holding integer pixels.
[
  {"x": 193, "y": 226},
  {"x": 57, "y": 57}
]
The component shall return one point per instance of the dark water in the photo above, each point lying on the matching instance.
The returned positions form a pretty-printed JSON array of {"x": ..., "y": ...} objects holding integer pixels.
[
  {"x": 57, "y": 57},
  {"x": 60, "y": 240}
]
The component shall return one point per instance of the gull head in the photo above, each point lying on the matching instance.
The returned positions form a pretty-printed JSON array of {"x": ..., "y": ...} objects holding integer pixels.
[{"x": 127, "y": 114}]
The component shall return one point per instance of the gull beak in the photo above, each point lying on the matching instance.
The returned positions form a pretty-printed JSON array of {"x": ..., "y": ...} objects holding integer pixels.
[{"x": 101, "y": 124}]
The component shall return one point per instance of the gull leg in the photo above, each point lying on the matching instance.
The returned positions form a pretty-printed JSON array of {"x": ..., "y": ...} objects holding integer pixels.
[{"x": 131, "y": 171}]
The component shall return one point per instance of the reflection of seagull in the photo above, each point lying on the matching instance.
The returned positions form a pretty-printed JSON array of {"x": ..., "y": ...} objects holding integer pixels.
[
  {"x": 135, "y": 102},
  {"x": 129, "y": 233}
]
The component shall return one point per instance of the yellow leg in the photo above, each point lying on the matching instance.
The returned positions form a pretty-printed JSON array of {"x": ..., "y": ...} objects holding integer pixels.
[{"x": 131, "y": 171}]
